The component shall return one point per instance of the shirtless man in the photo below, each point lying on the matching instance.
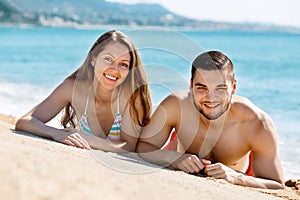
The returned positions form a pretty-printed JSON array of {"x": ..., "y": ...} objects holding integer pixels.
[{"x": 216, "y": 130}]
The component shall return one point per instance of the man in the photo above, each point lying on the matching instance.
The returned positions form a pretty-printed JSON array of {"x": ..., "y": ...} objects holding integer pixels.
[{"x": 218, "y": 134}]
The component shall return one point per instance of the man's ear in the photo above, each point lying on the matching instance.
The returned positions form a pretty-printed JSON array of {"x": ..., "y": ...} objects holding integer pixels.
[{"x": 234, "y": 86}]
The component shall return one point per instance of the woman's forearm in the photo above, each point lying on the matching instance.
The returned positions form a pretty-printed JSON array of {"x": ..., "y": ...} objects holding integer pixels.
[{"x": 33, "y": 125}]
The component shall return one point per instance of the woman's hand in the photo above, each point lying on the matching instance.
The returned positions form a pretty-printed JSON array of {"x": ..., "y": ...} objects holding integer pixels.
[
  {"x": 72, "y": 137},
  {"x": 113, "y": 146}
]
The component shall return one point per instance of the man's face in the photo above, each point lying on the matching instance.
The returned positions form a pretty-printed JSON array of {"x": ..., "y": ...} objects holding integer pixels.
[{"x": 212, "y": 92}]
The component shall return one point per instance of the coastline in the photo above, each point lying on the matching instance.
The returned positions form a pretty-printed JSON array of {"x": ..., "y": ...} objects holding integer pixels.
[
  {"x": 245, "y": 27},
  {"x": 37, "y": 168}
]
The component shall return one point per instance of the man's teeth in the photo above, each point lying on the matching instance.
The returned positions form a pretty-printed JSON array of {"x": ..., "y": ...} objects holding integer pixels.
[
  {"x": 110, "y": 77},
  {"x": 211, "y": 105}
]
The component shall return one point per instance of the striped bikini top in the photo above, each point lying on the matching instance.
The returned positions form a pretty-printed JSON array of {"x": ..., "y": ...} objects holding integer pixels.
[{"x": 115, "y": 131}]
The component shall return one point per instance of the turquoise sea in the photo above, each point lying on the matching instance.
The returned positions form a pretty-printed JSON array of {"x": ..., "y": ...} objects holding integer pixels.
[{"x": 33, "y": 61}]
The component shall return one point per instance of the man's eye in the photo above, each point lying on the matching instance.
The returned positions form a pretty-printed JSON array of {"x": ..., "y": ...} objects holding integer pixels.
[
  {"x": 222, "y": 89},
  {"x": 201, "y": 88}
]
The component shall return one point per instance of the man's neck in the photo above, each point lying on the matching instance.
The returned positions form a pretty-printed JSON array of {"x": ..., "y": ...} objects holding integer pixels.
[{"x": 213, "y": 124}]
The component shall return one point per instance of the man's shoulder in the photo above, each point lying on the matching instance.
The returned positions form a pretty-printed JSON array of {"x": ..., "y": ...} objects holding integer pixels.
[
  {"x": 176, "y": 101},
  {"x": 255, "y": 119},
  {"x": 177, "y": 97},
  {"x": 245, "y": 109}
]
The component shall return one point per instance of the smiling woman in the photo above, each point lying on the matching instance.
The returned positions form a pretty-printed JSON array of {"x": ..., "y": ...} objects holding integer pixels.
[{"x": 107, "y": 97}]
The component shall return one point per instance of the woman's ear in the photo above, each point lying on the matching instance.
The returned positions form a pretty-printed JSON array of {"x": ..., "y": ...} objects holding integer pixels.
[{"x": 93, "y": 61}]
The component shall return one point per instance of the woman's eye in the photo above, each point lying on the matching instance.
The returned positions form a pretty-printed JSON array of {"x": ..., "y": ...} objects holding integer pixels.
[
  {"x": 125, "y": 65},
  {"x": 108, "y": 59}
]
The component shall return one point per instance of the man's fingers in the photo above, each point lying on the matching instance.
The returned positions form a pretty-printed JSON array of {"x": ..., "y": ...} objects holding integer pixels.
[
  {"x": 196, "y": 164},
  {"x": 188, "y": 168},
  {"x": 215, "y": 170},
  {"x": 216, "y": 174},
  {"x": 192, "y": 164},
  {"x": 205, "y": 162},
  {"x": 212, "y": 167}
]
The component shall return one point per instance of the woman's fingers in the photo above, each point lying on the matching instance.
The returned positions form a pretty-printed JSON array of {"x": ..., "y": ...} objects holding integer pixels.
[
  {"x": 68, "y": 142},
  {"x": 81, "y": 140},
  {"x": 74, "y": 139},
  {"x": 118, "y": 144}
]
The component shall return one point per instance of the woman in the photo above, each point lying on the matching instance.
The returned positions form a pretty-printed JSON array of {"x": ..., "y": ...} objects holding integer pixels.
[{"x": 105, "y": 101}]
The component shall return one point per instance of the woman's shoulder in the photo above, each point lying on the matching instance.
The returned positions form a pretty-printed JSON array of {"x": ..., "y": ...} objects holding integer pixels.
[
  {"x": 72, "y": 84},
  {"x": 68, "y": 86},
  {"x": 67, "y": 83},
  {"x": 64, "y": 90}
]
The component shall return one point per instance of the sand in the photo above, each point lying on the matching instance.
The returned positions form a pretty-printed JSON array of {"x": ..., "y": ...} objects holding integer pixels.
[{"x": 35, "y": 168}]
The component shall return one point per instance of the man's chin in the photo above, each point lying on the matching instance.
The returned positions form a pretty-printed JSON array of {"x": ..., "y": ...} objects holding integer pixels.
[{"x": 211, "y": 118}]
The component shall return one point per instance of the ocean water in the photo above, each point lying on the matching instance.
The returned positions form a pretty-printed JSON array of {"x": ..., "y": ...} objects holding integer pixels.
[{"x": 33, "y": 61}]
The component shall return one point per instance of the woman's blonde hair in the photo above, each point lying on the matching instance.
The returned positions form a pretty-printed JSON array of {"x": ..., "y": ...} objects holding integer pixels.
[{"x": 135, "y": 84}]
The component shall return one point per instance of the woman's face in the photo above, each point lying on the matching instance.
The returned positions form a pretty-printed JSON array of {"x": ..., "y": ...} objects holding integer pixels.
[{"x": 112, "y": 65}]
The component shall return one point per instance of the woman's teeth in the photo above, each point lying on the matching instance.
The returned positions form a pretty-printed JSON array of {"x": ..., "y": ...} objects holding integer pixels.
[{"x": 110, "y": 77}]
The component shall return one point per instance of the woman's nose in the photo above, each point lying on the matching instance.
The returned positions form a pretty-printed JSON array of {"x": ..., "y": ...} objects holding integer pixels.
[{"x": 115, "y": 66}]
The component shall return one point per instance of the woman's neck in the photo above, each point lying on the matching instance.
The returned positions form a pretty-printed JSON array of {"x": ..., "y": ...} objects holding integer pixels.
[{"x": 103, "y": 95}]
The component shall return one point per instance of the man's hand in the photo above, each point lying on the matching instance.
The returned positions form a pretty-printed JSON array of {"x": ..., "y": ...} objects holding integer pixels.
[
  {"x": 190, "y": 163},
  {"x": 220, "y": 171}
]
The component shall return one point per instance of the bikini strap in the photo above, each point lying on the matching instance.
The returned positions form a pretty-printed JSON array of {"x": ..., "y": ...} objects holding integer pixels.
[
  {"x": 87, "y": 101},
  {"x": 118, "y": 103}
]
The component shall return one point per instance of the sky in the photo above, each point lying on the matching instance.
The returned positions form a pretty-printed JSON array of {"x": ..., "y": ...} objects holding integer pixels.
[{"x": 280, "y": 12}]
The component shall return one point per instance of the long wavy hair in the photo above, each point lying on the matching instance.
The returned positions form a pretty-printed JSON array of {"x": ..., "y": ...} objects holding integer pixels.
[{"x": 135, "y": 85}]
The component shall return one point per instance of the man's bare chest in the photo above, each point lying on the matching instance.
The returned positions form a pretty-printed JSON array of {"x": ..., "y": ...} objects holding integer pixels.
[{"x": 226, "y": 145}]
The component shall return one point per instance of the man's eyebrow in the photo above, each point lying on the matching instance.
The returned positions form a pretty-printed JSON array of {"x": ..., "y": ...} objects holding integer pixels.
[
  {"x": 222, "y": 85},
  {"x": 200, "y": 84}
]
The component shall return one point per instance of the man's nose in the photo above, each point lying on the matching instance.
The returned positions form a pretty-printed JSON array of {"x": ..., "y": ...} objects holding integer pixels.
[{"x": 211, "y": 95}]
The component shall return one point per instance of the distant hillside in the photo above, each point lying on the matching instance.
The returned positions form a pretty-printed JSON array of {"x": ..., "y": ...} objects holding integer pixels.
[
  {"x": 8, "y": 13},
  {"x": 101, "y": 12},
  {"x": 11, "y": 15},
  {"x": 93, "y": 12}
]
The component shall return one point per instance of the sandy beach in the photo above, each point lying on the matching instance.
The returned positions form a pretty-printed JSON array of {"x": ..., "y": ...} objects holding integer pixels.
[{"x": 37, "y": 168}]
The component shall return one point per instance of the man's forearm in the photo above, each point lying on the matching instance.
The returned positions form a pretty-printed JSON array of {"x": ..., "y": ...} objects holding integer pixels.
[
  {"x": 156, "y": 155},
  {"x": 251, "y": 181}
]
